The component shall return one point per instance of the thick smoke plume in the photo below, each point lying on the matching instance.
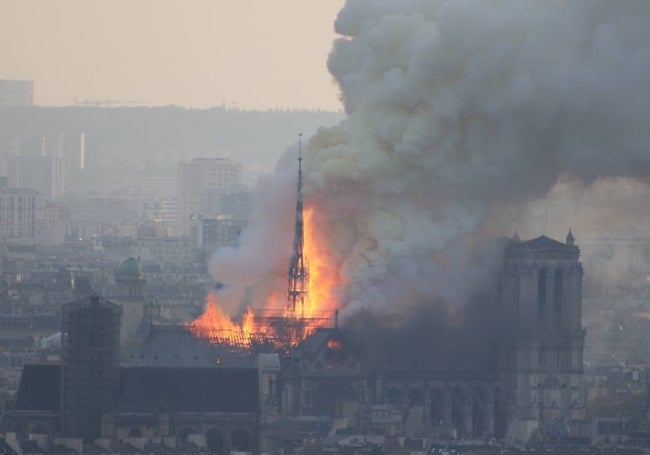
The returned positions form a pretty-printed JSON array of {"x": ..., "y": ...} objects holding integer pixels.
[{"x": 460, "y": 114}]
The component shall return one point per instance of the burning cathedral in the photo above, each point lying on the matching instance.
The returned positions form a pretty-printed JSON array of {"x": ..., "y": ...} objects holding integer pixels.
[
  {"x": 459, "y": 115},
  {"x": 511, "y": 369}
]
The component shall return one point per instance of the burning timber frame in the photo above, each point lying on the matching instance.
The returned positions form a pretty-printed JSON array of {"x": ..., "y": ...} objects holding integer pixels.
[{"x": 272, "y": 332}]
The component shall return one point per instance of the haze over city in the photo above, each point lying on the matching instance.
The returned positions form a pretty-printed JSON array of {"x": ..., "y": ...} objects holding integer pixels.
[{"x": 385, "y": 227}]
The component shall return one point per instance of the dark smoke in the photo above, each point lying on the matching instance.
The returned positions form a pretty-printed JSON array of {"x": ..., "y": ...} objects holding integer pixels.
[{"x": 461, "y": 116}]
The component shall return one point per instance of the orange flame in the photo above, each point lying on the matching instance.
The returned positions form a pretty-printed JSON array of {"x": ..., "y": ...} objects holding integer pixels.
[
  {"x": 217, "y": 327},
  {"x": 323, "y": 280}
]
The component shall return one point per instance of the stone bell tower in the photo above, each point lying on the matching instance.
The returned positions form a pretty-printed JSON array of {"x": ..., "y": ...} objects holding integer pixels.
[{"x": 540, "y": 354}]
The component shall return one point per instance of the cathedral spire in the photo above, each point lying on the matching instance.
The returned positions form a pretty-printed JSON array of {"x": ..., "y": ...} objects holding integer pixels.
[{"x": 298, "y": 270}]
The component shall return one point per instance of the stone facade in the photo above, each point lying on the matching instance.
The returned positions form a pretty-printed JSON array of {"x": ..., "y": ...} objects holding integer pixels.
[{"x": 540, "y": 359}]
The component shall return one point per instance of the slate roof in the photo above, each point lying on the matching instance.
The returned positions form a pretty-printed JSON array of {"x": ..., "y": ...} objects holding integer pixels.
[
  {"x": 189, "y": 390},
  {"x": 39, "y": 388},
  {"x": 543, "y": 242},
  {"x": 150, "y": 389},
  {"x": 176, "y": 347}
]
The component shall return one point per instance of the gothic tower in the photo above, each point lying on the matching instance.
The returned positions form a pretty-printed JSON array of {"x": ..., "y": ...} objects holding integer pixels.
[{"x": 540, "y": 355}]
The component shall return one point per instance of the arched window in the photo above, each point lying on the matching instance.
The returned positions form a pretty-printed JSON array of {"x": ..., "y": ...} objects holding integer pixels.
[
  {"x": 557, "y": 299},
  {"x": 541, "y": 295}
]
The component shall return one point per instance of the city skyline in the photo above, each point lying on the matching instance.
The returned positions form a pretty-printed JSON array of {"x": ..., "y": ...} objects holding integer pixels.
[{"x": 151, "y": 53}]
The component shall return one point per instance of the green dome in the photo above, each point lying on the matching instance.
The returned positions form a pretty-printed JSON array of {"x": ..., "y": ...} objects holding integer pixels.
[{"x": 130, "y": 268}]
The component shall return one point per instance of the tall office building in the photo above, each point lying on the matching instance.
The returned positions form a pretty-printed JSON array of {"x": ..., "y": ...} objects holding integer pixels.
[
  {"x": 71, "y": 148},
  {"x": 201, "y": 182},
  {"x": 16, "y": 93},
  {"x": 53, "y": 165},
  {"x": 18, "y": 209},
  {"x": 45, "y": 174}
]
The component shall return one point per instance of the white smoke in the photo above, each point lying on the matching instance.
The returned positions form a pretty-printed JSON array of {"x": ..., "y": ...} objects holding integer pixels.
[{"x": 459, "y": 113}]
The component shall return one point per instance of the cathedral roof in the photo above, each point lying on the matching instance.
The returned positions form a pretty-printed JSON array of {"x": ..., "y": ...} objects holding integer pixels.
[
  {"x": 189, "y": 390},
  {"x": 175, "y": 346},
  {"x": 543, "y": 242},
  {"x": 542, "y": 247},
  {"x": 145, "y": 389}
]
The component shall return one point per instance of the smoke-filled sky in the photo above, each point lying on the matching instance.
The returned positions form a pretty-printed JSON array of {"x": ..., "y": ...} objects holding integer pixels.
[
  {"x": 462, "y": 117},
  {"x": 200, "y": 53}
]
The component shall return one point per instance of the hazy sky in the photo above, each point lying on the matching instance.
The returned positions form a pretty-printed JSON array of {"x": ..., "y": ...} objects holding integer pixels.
[{"x": 201, "y": 53}]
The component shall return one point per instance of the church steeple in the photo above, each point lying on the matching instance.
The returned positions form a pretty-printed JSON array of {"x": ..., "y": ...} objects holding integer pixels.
[{"x": 298, "y": 270}]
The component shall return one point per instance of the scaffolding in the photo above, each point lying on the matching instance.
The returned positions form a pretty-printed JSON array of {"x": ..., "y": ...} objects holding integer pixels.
[{"x": 90, "y": 364}]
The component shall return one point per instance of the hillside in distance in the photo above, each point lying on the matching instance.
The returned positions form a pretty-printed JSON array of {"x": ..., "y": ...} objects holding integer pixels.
[{"x": 152, "y": 140}]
